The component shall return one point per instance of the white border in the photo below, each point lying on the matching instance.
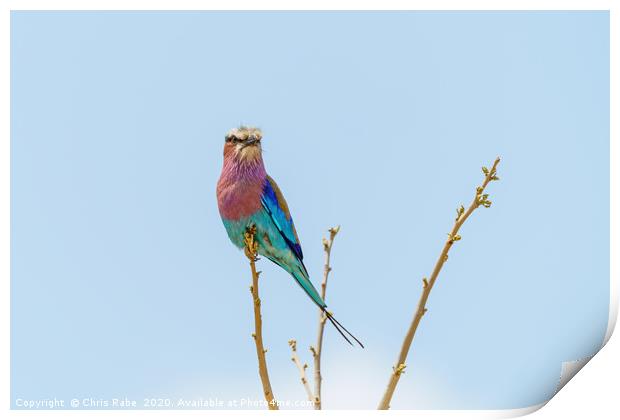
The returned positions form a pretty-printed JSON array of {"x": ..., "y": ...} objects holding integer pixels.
[{"x": 9, "y": 5}]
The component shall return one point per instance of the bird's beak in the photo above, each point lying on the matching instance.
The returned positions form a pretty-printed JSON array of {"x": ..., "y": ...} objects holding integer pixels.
[{"x": 249, "y": 142}]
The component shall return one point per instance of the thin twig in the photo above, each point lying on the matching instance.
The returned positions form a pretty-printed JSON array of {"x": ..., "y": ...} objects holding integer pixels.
[
  {"x": 480, "y": 199},
  {"x": 302, "y": 369},
  {"x": 251, "y": 251},
  {"x": 316, "y": 351}
]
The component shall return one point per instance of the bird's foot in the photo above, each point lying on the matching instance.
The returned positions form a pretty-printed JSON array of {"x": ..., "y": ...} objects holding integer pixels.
[
  {"x": 251, "y": 246},
  {"x": 251, "y": 230}
]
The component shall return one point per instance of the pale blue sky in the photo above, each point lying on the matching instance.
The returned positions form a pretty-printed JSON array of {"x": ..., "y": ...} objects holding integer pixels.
[{"x": 124, "y": 282}]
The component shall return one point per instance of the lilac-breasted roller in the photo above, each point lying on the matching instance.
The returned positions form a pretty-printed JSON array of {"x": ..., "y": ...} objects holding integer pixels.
[{"x": 247, "y": 196}]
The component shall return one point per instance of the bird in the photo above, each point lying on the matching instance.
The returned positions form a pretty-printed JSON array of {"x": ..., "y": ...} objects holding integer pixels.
[{"x": 248, "y": 198}]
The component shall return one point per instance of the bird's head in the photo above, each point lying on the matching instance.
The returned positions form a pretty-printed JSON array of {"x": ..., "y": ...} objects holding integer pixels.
[{"x": 243, "y": 144}]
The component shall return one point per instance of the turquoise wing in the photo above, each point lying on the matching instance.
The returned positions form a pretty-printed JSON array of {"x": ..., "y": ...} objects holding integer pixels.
[
  {"x": 275, "y": 206},
  {"x": 274, "y": 203}
]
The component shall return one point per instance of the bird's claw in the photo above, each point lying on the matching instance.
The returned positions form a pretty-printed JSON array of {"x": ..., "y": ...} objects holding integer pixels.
[{"x": 251, "y": 247}]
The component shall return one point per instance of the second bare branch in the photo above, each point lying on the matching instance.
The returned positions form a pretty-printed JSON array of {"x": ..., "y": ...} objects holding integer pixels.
[{"x": 316, "y": 351}]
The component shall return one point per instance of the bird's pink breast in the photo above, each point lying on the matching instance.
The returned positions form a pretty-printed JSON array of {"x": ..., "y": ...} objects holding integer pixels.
[{"x": 239, "y": 189}]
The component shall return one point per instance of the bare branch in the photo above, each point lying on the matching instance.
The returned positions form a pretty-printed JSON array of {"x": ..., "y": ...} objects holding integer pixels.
[
  {"x": 251, "y": 251},
  {"x": 316, "y": 351},
  {"x": 480, "y": 199},
  {"x": 301, "y": 368}
]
